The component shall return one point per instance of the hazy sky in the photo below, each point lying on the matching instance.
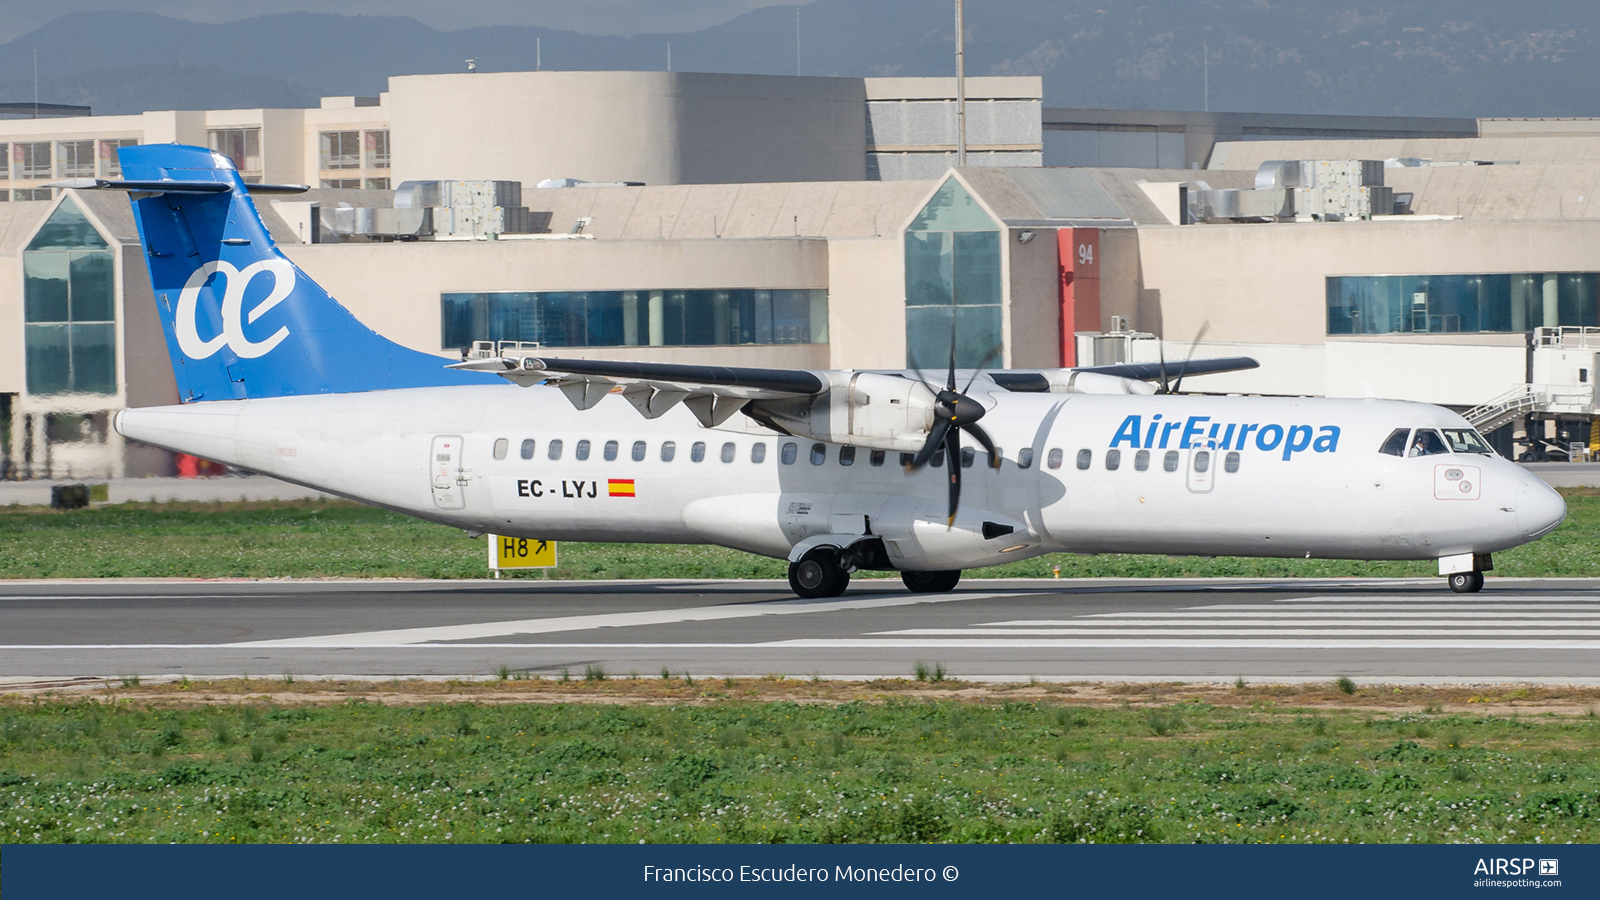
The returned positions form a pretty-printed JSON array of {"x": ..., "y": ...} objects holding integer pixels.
[{"x": 620, "y": 17}]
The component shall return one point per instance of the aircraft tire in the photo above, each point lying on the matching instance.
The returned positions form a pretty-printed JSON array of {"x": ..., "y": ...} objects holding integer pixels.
[
  {"x": 931, "y": 582},
  {"x": 818, "y": 574},
  {"x": 1466, "y": 582}
]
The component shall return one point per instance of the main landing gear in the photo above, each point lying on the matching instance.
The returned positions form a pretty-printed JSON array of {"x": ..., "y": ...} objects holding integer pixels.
[
  {"x": 931, "y": 582},
  {"x": 820, "y": 573},
  {"x": 1466, "y": 582}
]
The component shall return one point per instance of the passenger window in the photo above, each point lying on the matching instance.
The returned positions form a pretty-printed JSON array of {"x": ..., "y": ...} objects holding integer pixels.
[
  {"x": 1395, "y": 443},
  {"x": 697, "y": 453},
  {"x": 728, "y": 450},
  {"x": 581, "y": 451},
  {"x": 611, "y": 450},
  {"x": 501, "y": 448},
  {"x": 1141, "y": 460},
  {"x": 967, "y": 456},
  {"x": 1427, "y": 443},
  {"x": 1202, "y": 461},
  {"x": 1084, "y": 458},
  {"x": 847, "y": 456},
  {"x": 1230, "y": 463},
  {"x": 638, "y": 451},
  {"x": 1054, "y": 459},
  {"x": 669, "y": 449},
  {"x": 877, "y": 457},
  {"x": 1170, "y": 461},
  {"x": 788, "y": 454},
  {"x": 906, "y": 458},
  {"x": 527, "y": 449},
  {"x": 1113, "y": 460},
  {"x": 938, "y": 458},
  {"x": 555, "y": 450},
  {"x": 758, "y": 453},
  {"x": 1025, "y": 458},
  {"x": 819, "y": 454}
]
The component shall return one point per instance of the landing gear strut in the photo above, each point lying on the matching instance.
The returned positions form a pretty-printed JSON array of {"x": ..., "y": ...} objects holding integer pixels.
[
  {"x": 931, "y": 582},
  {"x": 820, "y": 573},
  {"x": 1466, "y": 582}
]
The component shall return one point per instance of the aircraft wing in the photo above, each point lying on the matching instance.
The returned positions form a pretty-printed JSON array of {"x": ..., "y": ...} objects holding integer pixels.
[
  {"x": 1147, "y": 371},
  {"x": 712, "y": 393}
]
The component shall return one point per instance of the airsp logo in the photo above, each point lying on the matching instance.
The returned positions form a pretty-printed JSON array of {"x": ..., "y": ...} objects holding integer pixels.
[{"x": 232, "y": 335}]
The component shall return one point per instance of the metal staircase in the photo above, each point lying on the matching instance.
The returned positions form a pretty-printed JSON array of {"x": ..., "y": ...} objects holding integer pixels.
[{"x": 1518, "y": 401}]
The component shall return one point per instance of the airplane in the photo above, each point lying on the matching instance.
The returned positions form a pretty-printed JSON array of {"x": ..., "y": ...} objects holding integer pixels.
[{"x": 834, "y": 471}]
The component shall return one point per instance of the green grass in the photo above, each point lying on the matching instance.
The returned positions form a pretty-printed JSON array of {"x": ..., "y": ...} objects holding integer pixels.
[
  {"x": 308, "y": 539},
  {"x": 897, "y": 771}
]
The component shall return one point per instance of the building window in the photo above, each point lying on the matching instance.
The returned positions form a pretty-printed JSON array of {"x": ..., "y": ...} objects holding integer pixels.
[
  {"x": 952, "y": 259},
  {"x": 69, "y": 307},
  {"x": 377, "y": 184},
  {"x": 635, "y": 318},
  {"x": 30, "y": 159},
  {"x": 378, "y": 150},
  {"x": 110, "y": 163},
  {"x": 339, "y": 150},
  {"x": 5, "y": 163},
  {"x": 241, "y": 145},
  {"x": 1448, "y": 304},
  {"x": 75, "y": 159},
  {"x": 21, "y": 194},
  {"x": 350, "y": 183}
]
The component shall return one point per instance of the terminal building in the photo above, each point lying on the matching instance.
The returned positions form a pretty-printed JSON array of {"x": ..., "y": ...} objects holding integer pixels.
[{"x": 823, "y": 223}]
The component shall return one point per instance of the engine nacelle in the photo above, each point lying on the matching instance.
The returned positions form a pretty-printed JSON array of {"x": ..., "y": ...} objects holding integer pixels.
[{"x": 884, "y": 412}]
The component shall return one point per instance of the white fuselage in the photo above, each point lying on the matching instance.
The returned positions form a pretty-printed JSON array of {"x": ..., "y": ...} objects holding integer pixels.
[{"x": 1308, "y": 479}]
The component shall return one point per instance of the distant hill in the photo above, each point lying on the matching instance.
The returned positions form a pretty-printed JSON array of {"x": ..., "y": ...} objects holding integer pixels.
[
  {"x": 134, "y": 89},
  {"x": 1411, "y": 57}
]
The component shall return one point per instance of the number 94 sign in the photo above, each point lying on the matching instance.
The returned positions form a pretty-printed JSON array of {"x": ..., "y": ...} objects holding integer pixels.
[{"x": 520, "y": 553}]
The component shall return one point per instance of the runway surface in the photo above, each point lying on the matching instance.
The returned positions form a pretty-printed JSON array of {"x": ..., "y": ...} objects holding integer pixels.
[{"x": 1295, "y": 630}]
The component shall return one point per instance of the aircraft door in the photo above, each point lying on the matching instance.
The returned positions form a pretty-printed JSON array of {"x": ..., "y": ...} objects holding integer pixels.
[
  {"x": 446, "y": 473},
  {"x": 1202, "y": 472}
]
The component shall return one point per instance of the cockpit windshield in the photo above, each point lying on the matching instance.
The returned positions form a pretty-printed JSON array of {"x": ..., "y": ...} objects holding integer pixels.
[
  {"x": 1467, "y": 440},
  {"x": 1427, "y": 443}
]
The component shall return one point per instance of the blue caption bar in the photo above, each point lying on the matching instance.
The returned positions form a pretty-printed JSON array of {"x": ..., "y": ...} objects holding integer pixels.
[{"x": 55, "y": 872}]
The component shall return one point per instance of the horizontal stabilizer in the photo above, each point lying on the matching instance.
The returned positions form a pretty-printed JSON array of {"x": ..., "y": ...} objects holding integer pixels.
[
  {"x": 167, "y": 186},
  {"x": 1147, "y": 371}
]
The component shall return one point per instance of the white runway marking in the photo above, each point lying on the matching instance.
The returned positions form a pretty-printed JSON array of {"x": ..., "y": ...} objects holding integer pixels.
[{"x": 402, "y": 637}]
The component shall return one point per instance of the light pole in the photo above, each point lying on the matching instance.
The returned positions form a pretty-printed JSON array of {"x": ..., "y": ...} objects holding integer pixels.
[{"x": 961, "y": 89}]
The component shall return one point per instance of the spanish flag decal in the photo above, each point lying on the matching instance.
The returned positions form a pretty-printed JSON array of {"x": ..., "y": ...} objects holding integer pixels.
[{"x": 620, "y": 487}]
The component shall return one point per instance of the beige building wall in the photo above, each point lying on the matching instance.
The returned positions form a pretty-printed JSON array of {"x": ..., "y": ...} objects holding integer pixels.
[
  {"x": 1262, "y": 288},
  {"x": 1033, "y": 299},
  {"x": 866, "y": 303},
  {"x": 655, "y": 127}
]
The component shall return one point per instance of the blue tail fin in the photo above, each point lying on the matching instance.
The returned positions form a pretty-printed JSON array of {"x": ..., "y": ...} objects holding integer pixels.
[{"x": 241, "y": 320}]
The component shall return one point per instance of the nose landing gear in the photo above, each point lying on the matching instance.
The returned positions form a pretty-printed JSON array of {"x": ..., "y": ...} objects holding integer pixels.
[
  {"x": 1466, "y": 582},
  {"x": 1464, "y": 572}
]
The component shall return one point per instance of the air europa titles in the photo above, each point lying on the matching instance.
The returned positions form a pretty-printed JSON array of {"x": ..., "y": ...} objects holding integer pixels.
[{"x": 1200, "y": 431}]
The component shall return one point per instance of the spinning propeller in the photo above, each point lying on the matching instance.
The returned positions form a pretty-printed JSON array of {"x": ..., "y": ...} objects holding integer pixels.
[
  {"x": 1204, "y": 327},
  {"x": 953, "y": 413}
]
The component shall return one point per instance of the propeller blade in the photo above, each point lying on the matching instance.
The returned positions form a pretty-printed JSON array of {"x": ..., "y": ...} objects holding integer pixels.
[
  {"x": 1161, "y": 345},
  {"x": 931, "y": 445},
  {"x": 1204, "y": 327},
  {"x": 983, "y": 438},
  {"x": 952, "y": 456},
  {"x": 982, "y": 364},
  {"x": 951, "y": 382}
]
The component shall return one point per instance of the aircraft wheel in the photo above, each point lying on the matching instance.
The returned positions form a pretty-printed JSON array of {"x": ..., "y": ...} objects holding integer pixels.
[
  {"x": 818, "y": 574},
  {"x": 931, "y": 582},
  {"x": 1466, "y": 582}
]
